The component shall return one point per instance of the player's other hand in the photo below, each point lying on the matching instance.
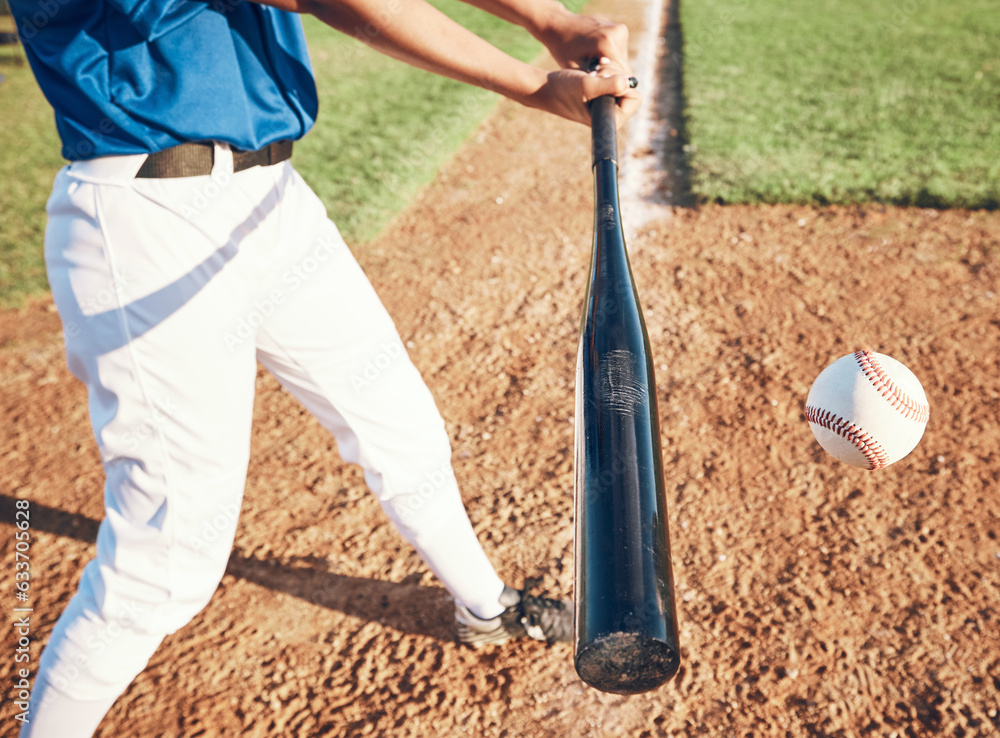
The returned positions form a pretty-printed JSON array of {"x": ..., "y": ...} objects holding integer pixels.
[
  {"x": 576, "y": 41},
  {"x": 567, "y": 92}
]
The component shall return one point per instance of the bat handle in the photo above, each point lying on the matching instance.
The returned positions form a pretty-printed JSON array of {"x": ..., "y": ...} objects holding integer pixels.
[{"x": 602, "y": 123}]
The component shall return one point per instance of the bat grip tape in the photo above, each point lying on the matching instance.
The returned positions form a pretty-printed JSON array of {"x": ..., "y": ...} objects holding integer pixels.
[{"x": 602, "y": 122}]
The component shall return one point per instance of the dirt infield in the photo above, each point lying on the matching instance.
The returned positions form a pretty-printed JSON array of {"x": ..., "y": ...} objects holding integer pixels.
[{"x": 814, "y": 598}]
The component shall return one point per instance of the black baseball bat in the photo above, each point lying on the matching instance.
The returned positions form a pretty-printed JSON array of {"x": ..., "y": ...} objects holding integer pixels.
[{"x": 626, "y": 621}]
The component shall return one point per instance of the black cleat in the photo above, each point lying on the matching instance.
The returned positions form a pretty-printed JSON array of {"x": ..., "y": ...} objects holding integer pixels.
[{"x": 526, "y": 616}]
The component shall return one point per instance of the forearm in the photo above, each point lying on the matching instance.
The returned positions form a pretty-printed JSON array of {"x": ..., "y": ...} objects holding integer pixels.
[
  {"x": 415, "y": 32},
  {"x": 420, "y": 35},
  {"x": 575, "y": 41},
  {"x": 538, "y": 17}
]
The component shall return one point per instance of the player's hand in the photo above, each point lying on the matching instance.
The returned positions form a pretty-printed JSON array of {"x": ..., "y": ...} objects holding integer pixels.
[
  {"x": 595, "y": 45},
  {"x": 567, "y": 92},
  {"x": 576, "y": 41},
  {"x": 628, "y": 102}
]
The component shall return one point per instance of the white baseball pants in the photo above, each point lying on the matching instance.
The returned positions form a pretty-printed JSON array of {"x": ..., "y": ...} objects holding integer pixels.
[{"x": 170, "y": 291}]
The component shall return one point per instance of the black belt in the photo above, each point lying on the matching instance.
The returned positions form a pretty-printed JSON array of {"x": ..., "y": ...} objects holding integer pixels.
[{"x": 196, "y": 160}]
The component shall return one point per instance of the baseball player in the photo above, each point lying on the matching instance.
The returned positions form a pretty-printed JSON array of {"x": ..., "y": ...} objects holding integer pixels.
[{"x": 182, "y": 248}]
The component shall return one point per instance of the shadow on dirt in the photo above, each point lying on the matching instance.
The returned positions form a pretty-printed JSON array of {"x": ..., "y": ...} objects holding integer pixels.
[{"x": 406, "y": 606}]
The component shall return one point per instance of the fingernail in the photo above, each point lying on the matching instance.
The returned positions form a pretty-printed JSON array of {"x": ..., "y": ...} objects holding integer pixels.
[{"x": 633, "y": 83}]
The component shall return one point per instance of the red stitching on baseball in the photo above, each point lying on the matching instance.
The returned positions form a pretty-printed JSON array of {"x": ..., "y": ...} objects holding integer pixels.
[
  {"x": 873, "y": 452},
  {"x": 906, "y": 405}
]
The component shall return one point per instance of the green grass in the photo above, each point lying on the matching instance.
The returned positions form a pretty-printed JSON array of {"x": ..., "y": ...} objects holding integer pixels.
[
  {"x": 28, "y": 164},
  {"x": 820, "y": 102},
  {"x": 384, "y": 130}
]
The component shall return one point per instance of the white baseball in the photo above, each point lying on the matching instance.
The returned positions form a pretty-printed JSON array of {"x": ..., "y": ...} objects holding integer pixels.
[{"x": 867, "y": 409}]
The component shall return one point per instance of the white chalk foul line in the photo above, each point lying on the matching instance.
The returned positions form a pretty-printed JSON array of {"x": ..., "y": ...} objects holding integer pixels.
[{"x": 642, "y": 168}]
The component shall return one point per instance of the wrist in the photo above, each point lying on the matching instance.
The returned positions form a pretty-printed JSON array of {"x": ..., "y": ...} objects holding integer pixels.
[
  {"x": 548, "y": 20},
  {"x": 523, "y": 88}
]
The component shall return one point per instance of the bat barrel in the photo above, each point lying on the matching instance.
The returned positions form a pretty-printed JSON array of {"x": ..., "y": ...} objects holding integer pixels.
[{"x": 626, "y": 629}]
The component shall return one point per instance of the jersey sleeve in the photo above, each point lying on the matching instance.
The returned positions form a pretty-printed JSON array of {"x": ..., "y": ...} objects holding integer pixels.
[{"x": 153, "y": 18}]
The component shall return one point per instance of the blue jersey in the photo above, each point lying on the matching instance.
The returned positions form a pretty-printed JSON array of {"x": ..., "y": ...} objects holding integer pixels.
[{"x": 138, "y": 76}]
